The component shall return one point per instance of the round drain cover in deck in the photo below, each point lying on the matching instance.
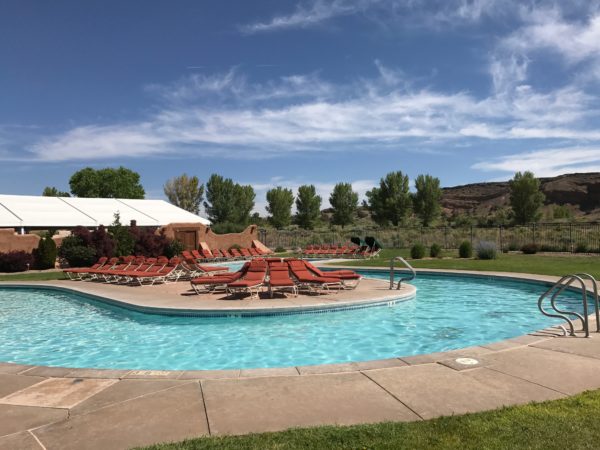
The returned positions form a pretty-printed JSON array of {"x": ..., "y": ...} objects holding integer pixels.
[{"x": 467, "y": 361}]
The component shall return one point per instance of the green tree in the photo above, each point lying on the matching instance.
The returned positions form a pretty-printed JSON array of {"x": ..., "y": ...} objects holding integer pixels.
[
  {"x": 427, "y": 198},
  {"x": 308, "y": 207},
  {"x": 561, "y": 212},
  {"x": 106, "y": 183},
  {"x": 279, "y": 205},
  {"x": 185, "y": 192},
  {"x": 526, "y": 198},
  {"x": 391, "y": 201},
  {"x": 46, "y": 252},
  {"x": 344, "y": 202},
  {"x": 124, "y": 240},
  {"x": 244, "y": 203},
  {"x": 220, "y": 195},
  {"x": 227, "y": 201},
  {"x": 51, "y": 191}
]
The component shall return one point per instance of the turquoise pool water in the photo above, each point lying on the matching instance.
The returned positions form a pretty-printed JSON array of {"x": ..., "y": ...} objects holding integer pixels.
[{"x": 55, "y": 328}]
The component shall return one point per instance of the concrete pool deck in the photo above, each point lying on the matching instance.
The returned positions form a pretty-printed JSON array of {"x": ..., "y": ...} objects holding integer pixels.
[
  {"x": 62, "y": 408},
  {"x": 179, "y": 299}
]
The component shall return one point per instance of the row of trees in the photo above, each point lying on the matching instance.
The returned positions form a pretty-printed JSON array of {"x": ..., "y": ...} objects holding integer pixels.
[
  {"x": 229, "y": 204},
  {"x": 391, "y": 203}
]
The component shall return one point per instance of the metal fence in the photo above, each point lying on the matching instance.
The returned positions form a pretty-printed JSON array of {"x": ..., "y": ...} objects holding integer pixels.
[{"x": 550, "y": 237}]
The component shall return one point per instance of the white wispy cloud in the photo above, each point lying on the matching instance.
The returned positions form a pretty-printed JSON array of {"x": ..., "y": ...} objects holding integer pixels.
[
  {"x": 306, "y": 15},
  {"x": 433, "y": 13},
  {"x": 547, "y": 163},
  {"x": 303, "y": 113},
  {"x": 547, "y": 28},
  {"x": 227, "y": 115}
]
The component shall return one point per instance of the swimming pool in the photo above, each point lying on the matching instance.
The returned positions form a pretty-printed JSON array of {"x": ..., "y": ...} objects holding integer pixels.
[{"x": 59, "y": 328}]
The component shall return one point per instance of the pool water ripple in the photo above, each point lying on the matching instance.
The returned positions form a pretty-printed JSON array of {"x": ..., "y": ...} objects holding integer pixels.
[{"x": 54, "y": 328}]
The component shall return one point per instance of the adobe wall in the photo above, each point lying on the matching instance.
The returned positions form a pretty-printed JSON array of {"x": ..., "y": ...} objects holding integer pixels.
[
  {"x": 220, "y": 241},
  {"x": 11, "y": 241}
]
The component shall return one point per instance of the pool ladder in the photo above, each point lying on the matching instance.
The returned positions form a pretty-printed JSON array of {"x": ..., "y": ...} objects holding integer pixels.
[
  {"x": 560, "y": 286},
  {"x": 412, "y": 275}
]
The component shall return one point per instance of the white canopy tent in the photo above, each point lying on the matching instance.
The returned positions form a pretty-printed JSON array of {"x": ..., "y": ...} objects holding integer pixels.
[{"x": 23, "y": 211}]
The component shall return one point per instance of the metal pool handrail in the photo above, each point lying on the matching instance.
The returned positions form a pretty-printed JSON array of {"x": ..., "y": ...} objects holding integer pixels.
[
  {"x": 562, "y": 284},
  {"x": 393, "y": 274}
]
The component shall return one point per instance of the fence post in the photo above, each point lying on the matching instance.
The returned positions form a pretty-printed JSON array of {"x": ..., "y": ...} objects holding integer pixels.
[{"x": 571, "y": 246}]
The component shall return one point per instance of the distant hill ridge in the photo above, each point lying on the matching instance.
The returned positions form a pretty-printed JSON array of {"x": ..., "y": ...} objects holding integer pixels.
[{"x": 581, "y": 191}]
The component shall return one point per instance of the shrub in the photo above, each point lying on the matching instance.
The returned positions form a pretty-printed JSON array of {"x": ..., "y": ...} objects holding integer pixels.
[
  {"x": 417, "y": 251},
  {"x": 147, "y": 242},
  {"x": 486, "y": 250},
  {"x": 84, "y": 235},
  {"x": 513, "y": 247},
  {"x": 279, "y": 250},
  {"x": 581, "y": 247},
  {"x": 46, "y": 252},
  {"x": 227, "y": 227},
  {"x": 173, "y": 248},
  {"x": 102, "y": 242},
  {"x": 550, "y": 248},
  {"x": 435, "y": 251},
  {"x": 236, "y": 246},
  {"x": 17, "y": 261},
  {"x": 465, "y": 250},
  {"x": 530, "y": 249},
  {"x": 79, "y": 255}
]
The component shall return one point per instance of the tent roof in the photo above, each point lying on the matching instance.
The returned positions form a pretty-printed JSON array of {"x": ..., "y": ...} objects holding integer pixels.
[{"x": 31, "y": 211}]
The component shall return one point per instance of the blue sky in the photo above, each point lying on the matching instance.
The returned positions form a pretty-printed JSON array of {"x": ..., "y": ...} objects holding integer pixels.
[{"x": 274, "y": 92}]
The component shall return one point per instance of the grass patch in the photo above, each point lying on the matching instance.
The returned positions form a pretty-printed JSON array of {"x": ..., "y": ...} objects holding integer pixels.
[
  {"x": 570, "y": 422},
  {"x": 506, "y": 262},
  {"x": 33, "y": 276}
]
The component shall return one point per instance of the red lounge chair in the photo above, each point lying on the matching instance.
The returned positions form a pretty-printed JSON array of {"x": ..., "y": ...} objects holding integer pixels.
[
  {"x": 349, "y": 278},
  {"x": 207, "y": 254},
  {"x": 310, "y": 282},
  {"x": 90, "y": 273},
  {"x": 76, "y": 273},
  {"x": 171, "y": 272},
  {"x": 186, "y": 254},
  {"x": 280, "y": 280},
  {"x": 252, "y": 281},
  {"x": 99, "y": 274},
  {"x": 197, "y": 255},
  {"x": 253, "y": 252},
  {"x": 217, "y": 253},
  {"x": 211, "y": 284},
  {"x": 195, "y": 269},
  {"x": 115, "y": 274},
  {"x": 226, "y": 254},
  {"x": 245, "y": 253},
  {"x": 150, "y": 265},
  {"x": 235, "y": 252}
]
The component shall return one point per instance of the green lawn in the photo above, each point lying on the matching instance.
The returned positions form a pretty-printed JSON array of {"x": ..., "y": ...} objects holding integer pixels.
[
  {"x": 567, "y": 423},
  {"x": 33, "y": 276},
  {"x": 506, "y": 262}
]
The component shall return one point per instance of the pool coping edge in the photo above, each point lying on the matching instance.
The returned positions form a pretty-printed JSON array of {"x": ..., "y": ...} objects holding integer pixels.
[{"x": 357, "y": 367}]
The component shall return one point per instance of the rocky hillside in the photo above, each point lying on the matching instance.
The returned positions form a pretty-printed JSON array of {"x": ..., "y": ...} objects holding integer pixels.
[{"x": 579, "y": 191}]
